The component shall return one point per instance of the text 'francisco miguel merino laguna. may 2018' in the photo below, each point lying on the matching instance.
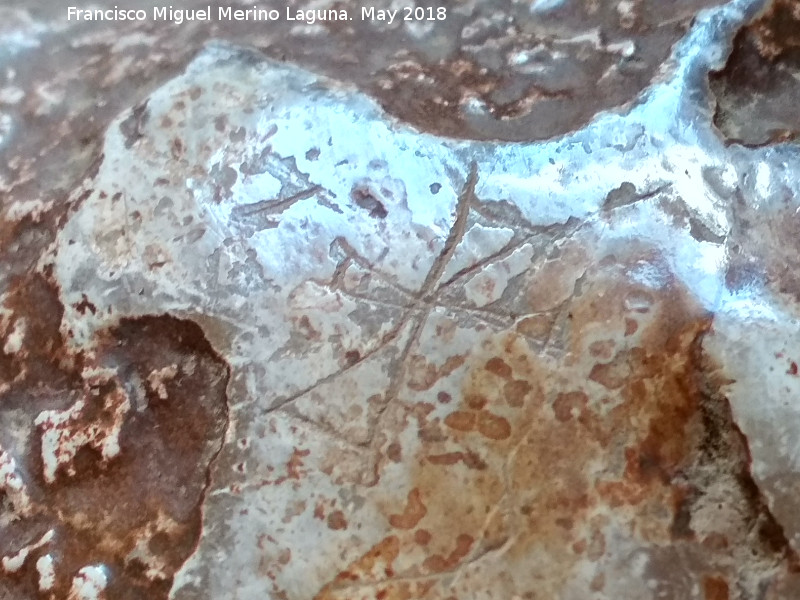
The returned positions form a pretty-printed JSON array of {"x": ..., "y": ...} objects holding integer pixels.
[{"x": 221, "y": 13}]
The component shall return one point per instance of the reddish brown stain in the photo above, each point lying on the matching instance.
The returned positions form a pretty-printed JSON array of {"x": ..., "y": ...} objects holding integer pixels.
[
  {"x": 537, "y": 327},
  {"x": 176, "y": 148},
  {"x": 499, "y": 367},
  {"x": 422, "y": 537},
  {"x": 34, "y": 300},
  {"x": 515, "y": 392},
  {"x": 295, "y": 463},
  {"x": 351, "y": 357},
  {"x": 337, "y": 520},
  {"x": 449, "y": 458},
  {"x": 424, "y": 375},
  {"x": 476, "y": 401},
  {"x": 614, "y": 374},
  {"x": 84, "y": 305},
  {"x": 568, "y": 403},
  {"x": 470, "y": 459},
  {"x": 460, "y": 420},
  {"x": 564, "y": 522},
  {"x": 285, "y": 557},
  {"x": 374, "y": 565},
  {"x": 412, "y": 514},
  {"x": 554, "y": 436},
  {"x": 493, "y": 426},
  {"x": 631, "y": 327},
  {"x": 588, "y": 453},
  {"x": 715, "y": 588},
  {"x": 602, "y": 349},
  {"x": 598, "y": 582},
  {"x": 394, "y": 452},
  {"x": 579, "y": 547},
  {"x": 438, "y": 563}
]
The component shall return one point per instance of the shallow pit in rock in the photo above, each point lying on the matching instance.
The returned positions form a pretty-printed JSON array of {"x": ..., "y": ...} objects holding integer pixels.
[{"x": 756, "y": 91}]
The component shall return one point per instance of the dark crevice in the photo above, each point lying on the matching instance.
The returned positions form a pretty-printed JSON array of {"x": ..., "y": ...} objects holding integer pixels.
[
  {"x": 162, "y": 389},
  {"x": 724, "y": 455}
]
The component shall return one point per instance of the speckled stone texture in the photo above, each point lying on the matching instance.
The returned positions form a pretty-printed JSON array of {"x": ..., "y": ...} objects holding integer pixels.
[{"x": 504, "y": 308}]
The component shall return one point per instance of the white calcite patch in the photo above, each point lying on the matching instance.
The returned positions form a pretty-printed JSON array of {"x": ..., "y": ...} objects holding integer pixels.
[
  {"x": 65, "y": 432},
  {"x": 15, "y": 562},
  {"x": 12, "y": 484},
  {"x": 488, "y": 285},
  {"x": 478, "y": 243},
  {"x": 47, "y": 573},
  {"x": 89, "y": 584},
  {"x": 15, "y": 337}
]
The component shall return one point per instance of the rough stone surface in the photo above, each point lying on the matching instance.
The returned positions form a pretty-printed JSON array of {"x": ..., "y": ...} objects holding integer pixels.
[
  {"x": 757, "y": 89},
  {"x": 266, "y": 332}
]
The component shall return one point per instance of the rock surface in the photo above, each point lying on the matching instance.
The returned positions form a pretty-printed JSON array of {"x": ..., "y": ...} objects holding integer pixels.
[{"x": 266, "y": 332}]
